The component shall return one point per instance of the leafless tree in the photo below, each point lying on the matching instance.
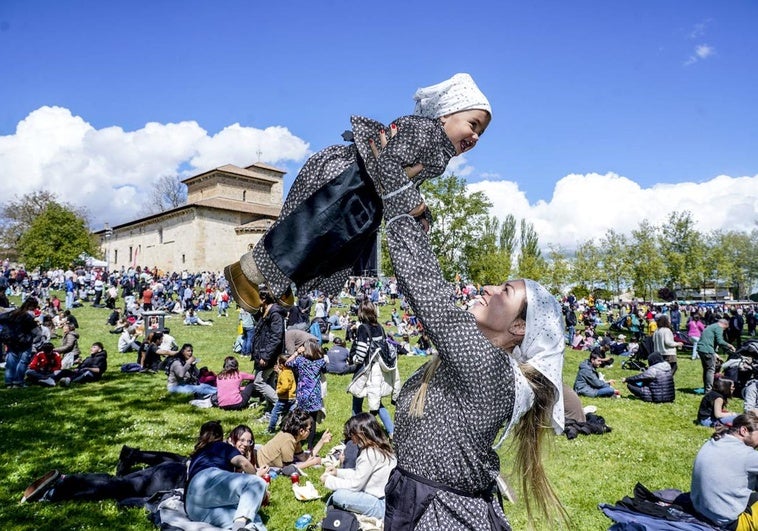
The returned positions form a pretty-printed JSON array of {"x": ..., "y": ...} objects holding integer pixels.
[{"x": 166, "y": 193}]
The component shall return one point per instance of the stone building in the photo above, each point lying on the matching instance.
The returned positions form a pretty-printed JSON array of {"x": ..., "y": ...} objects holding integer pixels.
[{"x": 228, "y": 210}]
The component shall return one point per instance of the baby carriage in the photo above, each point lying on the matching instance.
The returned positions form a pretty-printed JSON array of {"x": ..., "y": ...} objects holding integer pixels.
[
  {"x": 637, "y": 361},
  {"x": 742, "y": 365}
]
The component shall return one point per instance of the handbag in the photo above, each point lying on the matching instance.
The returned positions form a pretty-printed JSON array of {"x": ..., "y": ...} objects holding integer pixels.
[
  {"x": 339, "y": 520},
  {"x": 357, "y": 387}
]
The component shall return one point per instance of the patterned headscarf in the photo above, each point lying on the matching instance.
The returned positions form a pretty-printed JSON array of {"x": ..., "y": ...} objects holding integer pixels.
[
  {"x": 459, "y": 93},
  {"x": 542, "y": 348}
]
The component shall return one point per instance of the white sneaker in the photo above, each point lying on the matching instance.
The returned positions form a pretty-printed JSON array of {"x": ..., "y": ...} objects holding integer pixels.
[
  {"x": 49, "y": 382},
  {"x": 202, "y": 404}
]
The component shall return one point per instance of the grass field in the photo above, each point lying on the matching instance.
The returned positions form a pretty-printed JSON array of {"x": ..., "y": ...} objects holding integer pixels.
[{"x": 82, "y": 429}]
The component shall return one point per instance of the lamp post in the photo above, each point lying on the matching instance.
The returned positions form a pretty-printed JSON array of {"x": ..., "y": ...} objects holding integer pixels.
[{"x": 108, "y": 235}]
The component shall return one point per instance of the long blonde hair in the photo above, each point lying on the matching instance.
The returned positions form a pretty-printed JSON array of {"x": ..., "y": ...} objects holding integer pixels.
[{"x": 530, "y": 439}]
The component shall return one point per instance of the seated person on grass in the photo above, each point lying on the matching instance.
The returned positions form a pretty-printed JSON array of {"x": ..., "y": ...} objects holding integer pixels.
[
  {"x": 750, "y": 393},
  {"x": 337, "y": 358},
  {"x": 619, "y": 346},
  {"x": 361, "y": 489},
  {"x": 183, "y": 374},
  {"x": 91, "y": 369},
  {"x": 191, "y": 318},
  {"x": 127, "y": 341},
  {"x": 285, "y": 449},
  {"x": 712, "y": 411},
  {"x": 654, "y": 384},
  {"x": 725, "y": 475},
  {"x": 43, "y": 366},
  {"x": 588, "y": 381},
  {"x": 150, "y": 352}
]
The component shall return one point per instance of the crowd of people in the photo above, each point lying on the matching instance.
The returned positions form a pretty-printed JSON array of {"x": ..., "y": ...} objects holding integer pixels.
[{"x": 495, "y": 368}]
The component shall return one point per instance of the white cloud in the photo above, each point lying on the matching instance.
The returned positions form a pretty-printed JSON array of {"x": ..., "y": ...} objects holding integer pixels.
[
  {"x": 701, "y": 52},
  {"x": 584, "y": 207},
  {"x": 459, "y": 166},
  {"x": 109, "y": 170}
]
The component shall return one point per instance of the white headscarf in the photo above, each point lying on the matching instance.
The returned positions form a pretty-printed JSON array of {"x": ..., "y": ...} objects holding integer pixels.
[
  {"x": 542, "y": 348},
  {"x": 459, "y": 93}
]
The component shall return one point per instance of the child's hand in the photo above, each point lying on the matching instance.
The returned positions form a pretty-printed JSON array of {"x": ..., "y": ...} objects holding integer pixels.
[{"x": 326, "y": 437}]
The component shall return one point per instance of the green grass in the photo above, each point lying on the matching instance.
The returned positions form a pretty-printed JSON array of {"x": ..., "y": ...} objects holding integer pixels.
[{"x": 82, "y": 429}]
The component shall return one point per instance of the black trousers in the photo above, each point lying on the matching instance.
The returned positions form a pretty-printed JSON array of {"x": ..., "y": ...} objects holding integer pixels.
[{"x": 140, "y": 484}]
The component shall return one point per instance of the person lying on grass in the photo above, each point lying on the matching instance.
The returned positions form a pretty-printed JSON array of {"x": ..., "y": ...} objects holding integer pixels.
[
  {"x": 165, "y": 471},
  {"x": 285, "y": 449}
]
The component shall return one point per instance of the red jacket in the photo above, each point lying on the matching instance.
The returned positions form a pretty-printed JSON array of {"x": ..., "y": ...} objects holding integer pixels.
[{"x": 42, "y": 362}]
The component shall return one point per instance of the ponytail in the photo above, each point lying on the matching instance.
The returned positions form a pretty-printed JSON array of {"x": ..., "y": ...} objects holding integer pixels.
[
  {"x": 419, "y": 398},
  {"x": 530, "y": 437}
]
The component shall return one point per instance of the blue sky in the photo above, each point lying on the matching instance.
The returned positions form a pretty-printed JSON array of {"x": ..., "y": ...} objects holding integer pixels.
[{"x": 603, "y": 112}]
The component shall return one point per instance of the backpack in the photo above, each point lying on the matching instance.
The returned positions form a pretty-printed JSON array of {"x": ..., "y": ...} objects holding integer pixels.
[
  {"x": 384, "y": 352},
  {"x": 339, "y": 520}
]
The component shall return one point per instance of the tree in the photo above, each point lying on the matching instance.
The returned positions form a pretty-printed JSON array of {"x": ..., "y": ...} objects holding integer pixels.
[
  {"x": 616, "y": 268},
  {"x": 648, "y": 269},
  {"x": 490, "y": 262},
  {"x": 165, "y": 193},
  {"x": 734, "y": 249},
  {"x": 678, "y": 245},
  {"x": 17, "y": 216},
  {"x": 459, "y": 220},
  {"x": 56, "y": 238},
  {"x": 586, "y": 271},
  {"x": 558, "y": 270},
  {"x": 508, "y": 235},
  {"x": 530, "y": 263}
]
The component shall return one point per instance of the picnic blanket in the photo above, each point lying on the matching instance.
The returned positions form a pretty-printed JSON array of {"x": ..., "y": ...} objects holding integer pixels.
[
  {"x": 167, "y": 512},
  {"x": 662, "y": 510}
]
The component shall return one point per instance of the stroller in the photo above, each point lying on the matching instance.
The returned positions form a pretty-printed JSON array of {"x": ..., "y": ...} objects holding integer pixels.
[
  {"x": 638, "y": 360},
  {"x": 742, "y": 365}
]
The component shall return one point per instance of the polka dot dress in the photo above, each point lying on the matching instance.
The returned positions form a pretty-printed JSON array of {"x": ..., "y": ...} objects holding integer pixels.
[{"x": 469, "y": 399}]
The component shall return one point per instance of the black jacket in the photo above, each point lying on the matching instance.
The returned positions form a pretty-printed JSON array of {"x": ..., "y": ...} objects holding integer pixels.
[
  {"x": 20, "y": 330},
  {"x": 268, "y": 342},
  {"x": 657, "y": 384},
  {"x": 99, "y": 361}
]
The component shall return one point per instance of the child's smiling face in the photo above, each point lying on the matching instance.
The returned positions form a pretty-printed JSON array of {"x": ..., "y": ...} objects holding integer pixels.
[{"x": 464, "y": 128}]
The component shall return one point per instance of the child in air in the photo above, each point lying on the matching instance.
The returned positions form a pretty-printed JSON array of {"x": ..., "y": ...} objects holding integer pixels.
[{"x": 333, "y": 210}]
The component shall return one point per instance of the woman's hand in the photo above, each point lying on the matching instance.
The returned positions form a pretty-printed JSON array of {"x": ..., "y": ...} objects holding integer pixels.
[
  {"x": 330, "y": 471},
  {"x": 262, "y": 471},
  {"x": 410, "y": 171}
]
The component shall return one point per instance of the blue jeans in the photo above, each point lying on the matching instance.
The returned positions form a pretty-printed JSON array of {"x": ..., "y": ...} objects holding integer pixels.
[
  {"x": 219, "y": 497},
  {"x": 605, "y": 392},
  {"x": 570, "y": 334},
  {"x": 358, "y": 502},
  {"x": 187, "y": 389},
  {"x": 69, "y": 300},
  {"x": 247, "y": 340},
  {"x": 16, "y": 364},
  {"x": 695, "y": 341},
  {"x": 710, "y": 423},
  {"x": 282, "y": 407},
  {"x": 35, "y": 376},
  {"x": 384, "y": 415}
]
